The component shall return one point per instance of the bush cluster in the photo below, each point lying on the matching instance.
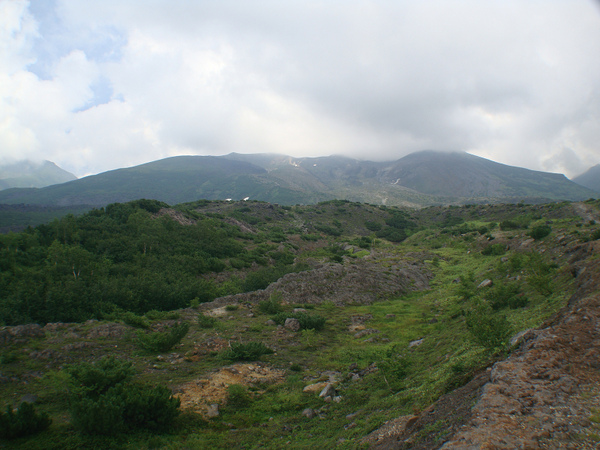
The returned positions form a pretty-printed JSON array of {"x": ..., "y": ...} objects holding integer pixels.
[
  {"x": 250, "y": 351},
  {"x": 307, "y": 321},
  {"x": 25, "y": 422},
  {"x": 162, "y": 341},
  {"x": 488, "y": 330},
  {"x": 105, "y": 401}
]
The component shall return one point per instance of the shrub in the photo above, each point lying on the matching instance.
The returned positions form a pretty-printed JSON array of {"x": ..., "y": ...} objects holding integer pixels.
[
  {"x": 508, "y": 225},
  {"x": 488, "y": 330},
  {"x": 237, "y": 396},
  {"x": 307, "y": 321},
  {"x": 372, "y": 226},
  {"x": 231, "y": 307},
  {"x": 246, "y": 352},
  {"x": 394, "y": 366},
  {"x": 595, "y": 235},
  {"x": 494, "y": 249},
  {"x": 271, "y": 306},
  {"x": 506, "y": 295},
  {"x": 151, "y": 407},
  {"x": 162, "y": 341},
  {"x": 134, "y": 320},
  {"x": 125, "y": 406},
  {"x": 163, "y": 315},
  {"x": 94, "y": 379},
  {"x": 540, "y": 231},
  {"x": 25, "y": 422},
  {"x": 205, "y": 321}
]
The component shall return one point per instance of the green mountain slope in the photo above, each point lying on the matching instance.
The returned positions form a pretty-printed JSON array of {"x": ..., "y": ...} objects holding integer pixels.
[
  {"x": 27, "y": 174},
  {"x": 420, "y": 179},
  {"x": 590, "y": 179}
]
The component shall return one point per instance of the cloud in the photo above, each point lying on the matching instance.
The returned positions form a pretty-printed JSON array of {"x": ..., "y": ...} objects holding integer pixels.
[{"x": 99, "y": 85}]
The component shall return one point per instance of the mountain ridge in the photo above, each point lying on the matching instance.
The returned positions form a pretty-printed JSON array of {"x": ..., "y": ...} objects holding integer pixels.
[
  {"x": 29, "y": 174},
  {"x": 419, "y": 179}
]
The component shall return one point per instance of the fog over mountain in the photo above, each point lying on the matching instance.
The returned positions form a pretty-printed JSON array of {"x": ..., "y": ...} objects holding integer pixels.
[{"x": 99, "y": 85}]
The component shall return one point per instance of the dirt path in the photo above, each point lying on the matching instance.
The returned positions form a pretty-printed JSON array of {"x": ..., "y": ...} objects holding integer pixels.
[{"x": 586, "y": 212}]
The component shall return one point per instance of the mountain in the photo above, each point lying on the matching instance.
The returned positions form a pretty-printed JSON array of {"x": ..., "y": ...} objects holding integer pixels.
[
  {"x": 590, "y": 179},
  {"x": 423, "y": 178},
  {"x": 29, "y": 174}
]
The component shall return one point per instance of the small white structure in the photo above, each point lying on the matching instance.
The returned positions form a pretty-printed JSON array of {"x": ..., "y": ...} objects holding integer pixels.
[{"x": 246, "y": 199}]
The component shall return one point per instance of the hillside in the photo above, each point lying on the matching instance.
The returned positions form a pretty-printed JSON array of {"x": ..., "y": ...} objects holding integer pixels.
[
  {"x": 335, "y": 325},
  {"x": 28, "y": 174},
  {"x": 590, "y": 179},
  {"x": 420, "y": 179}
]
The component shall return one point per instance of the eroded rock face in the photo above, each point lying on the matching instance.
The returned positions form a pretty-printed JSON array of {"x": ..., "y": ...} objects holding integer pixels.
[{"x": 365, "y": 281}]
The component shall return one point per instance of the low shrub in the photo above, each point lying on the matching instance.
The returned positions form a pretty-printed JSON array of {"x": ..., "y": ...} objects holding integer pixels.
[
  {"x": 508, "y": 225},
  {"x": 237, "y": 396},
  {"x": 94, "y": 379},
  {"x": 307, "y": 321},
  {"x": 25, "y": 422},
  {"x": 494, "y": 250},
  {"x": 250, "y": 351},
  {"x": 125, "y": 407},
  {"x": 506, "y": 296},
  {"x": 271, "y": 306},
  {"x": 162, "y": 341},
  {"x": 205, "y": 321},
  {"x": 488, "y": 330},
  {"x": 540, "y": 231},
  {"x": 134, "y": 320}
]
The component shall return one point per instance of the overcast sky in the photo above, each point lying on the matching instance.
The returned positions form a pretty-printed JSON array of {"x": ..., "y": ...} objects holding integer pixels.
[{"x": 96, "y": 85}]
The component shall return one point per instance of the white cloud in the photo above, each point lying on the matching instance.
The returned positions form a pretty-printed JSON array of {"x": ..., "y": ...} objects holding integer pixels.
[{"x": 514, "y": 81}]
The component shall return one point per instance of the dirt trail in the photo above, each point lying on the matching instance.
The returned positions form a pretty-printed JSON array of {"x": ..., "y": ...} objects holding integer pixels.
[{"x": 586, "y": 212}]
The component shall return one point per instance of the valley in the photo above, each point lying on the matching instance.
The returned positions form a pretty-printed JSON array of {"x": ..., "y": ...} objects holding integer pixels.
[{"x": 336, "y": 325}]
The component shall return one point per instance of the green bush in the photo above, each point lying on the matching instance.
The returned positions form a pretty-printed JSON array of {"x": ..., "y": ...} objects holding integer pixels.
[
  {"x": 271, "y": 306},
  {"x": 508, "y": 225},
  {"x": 494, "y": 250},
  {"x": 540, "y": 231},
  {"x": 125, "y": 407},
  {"x": 394, "y": 366},
  {"x": 94, "y": 379},
  {"x": 246, "y": 352},
  {"x": 162, "y": 341},
  {"x": 150, "y": 407},
  {"x": 205, "y": 321},
  {"x": 134, "y": 320},
  {"x": 162, "y": 315},
  {"x": 506, "y": 296},
  {"x": 488, "y": 330},
  {"x": 25, "y": 422},
  {"x": 307, "y": 321},
  {"x": 101, "y": 416},
  {"x": 237, "y": 396}
]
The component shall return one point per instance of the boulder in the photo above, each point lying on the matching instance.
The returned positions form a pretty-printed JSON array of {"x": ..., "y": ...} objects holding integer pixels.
[{"x": 292, "y": 324}]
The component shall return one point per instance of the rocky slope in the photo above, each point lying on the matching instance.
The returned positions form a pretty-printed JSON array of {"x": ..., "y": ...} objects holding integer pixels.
[{"x": 545, "y": 395}]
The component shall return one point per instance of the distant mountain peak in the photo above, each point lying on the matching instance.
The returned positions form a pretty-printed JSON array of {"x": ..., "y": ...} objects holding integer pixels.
[{"x": 37, "y": 174}]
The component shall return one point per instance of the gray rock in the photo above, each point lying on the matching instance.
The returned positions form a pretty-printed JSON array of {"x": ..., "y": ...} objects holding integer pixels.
[
  {"x": 415, "y": 343},
  {"x": 309, "y": 413},
  {"x": 485, "y": 283},
  {"x": 292, "y": 324},
  {"x": 328, "y": 391},
  {"x": 366, "y": 332},
  {"x": 213, "y": 410},
  {"x": 270, "y": 322}
]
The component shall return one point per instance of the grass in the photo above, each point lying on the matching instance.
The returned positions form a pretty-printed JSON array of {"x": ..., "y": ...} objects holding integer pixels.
[{"x": 269, "y": 416}]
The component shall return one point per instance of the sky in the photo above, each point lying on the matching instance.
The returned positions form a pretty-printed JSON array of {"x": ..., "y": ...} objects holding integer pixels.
[{"x": 98, "y": 85}]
